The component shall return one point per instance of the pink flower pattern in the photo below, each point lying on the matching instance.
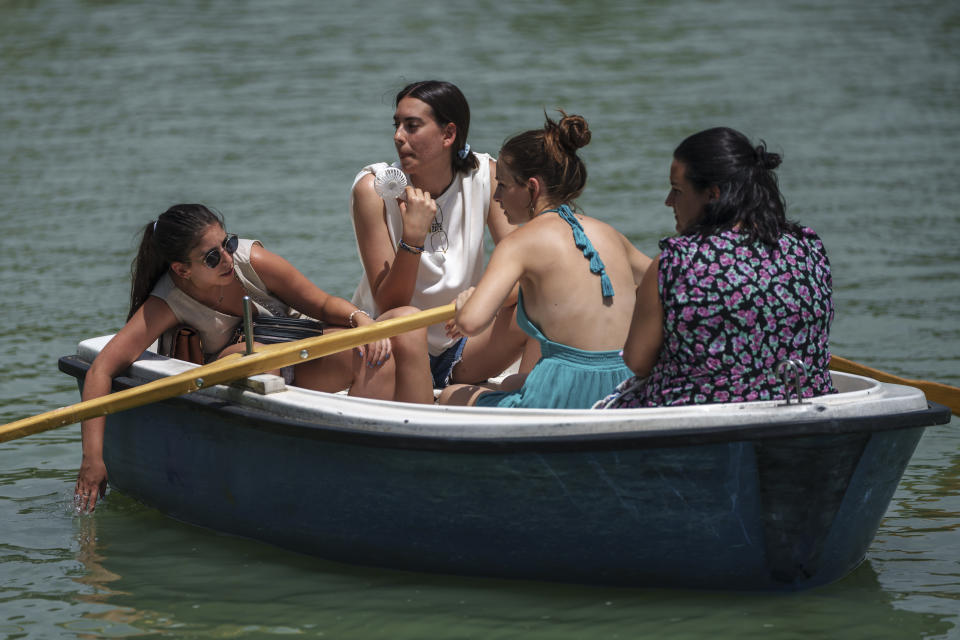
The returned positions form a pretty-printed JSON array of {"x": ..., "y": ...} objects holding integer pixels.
[{"x": 732, "y": 311}]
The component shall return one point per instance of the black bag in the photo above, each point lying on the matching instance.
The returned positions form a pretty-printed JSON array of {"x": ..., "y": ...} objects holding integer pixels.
[{"x": 273, "y": 329}]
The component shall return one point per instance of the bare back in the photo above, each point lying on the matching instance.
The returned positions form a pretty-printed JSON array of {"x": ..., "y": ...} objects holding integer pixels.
[{"x": 562, "y": 296}]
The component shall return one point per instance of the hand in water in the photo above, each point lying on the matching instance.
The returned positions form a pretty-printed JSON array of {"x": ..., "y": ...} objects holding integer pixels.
[{"x": 91, "y": 485}]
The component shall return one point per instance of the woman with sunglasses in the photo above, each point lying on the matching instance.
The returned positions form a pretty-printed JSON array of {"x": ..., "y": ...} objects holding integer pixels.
[
  {"x": 189, "y": 271},
  {"x": 424, "y": 249}
]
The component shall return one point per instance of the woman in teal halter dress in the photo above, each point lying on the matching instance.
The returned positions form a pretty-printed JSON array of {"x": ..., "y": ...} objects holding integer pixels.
[
  {"x": 564, "y": 377},
  {"x": 576, "y": 277}
]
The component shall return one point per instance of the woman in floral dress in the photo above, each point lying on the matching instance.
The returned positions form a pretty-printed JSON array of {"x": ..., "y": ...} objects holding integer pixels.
[{"x": 739, "y": 290}]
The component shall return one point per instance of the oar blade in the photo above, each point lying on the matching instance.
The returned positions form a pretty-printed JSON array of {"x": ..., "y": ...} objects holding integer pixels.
[{"x": 935, "y": 391}]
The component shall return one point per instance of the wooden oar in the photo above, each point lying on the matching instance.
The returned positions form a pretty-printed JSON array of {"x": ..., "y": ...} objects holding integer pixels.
[
  {"x": 936, "y": 391},
  {"x": 227, "y": 369}
]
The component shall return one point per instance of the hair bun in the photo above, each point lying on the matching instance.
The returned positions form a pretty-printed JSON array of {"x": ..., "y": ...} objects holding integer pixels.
[
  {"x": 574, "y": 131},
  {"x": 766, "y": 159}
]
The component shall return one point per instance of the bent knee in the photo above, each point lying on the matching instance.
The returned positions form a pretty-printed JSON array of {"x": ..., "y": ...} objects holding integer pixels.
[
  {"x": 415, "y": 340},
  {"x": 398, "y": 312}
]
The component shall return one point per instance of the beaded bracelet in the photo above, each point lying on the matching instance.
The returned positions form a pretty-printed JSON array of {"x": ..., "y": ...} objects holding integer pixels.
[
  {"x": 353, "y": 313},
  {"x": 409, "y": 247}
]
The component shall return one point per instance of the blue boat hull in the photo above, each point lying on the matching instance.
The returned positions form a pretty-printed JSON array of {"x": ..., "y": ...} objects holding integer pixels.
[{"x": 712, "y": 511}]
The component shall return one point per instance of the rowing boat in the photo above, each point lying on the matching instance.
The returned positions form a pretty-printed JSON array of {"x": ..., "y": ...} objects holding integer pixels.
[{"x": 762, "y": 495}]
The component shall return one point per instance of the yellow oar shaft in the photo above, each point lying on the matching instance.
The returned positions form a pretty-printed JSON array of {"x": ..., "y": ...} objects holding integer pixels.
[
  {"x": 936, "y": 391},
  {"x": 229, "y": 368}
]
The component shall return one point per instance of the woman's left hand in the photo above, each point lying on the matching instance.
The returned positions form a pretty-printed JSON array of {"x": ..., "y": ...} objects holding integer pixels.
[{"x": 376, "y": 353}]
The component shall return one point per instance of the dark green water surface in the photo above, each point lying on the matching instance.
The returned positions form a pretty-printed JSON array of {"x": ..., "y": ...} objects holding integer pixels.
[{"x": 110, "y": 111}]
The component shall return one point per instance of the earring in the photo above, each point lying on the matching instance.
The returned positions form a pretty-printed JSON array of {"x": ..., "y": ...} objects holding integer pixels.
[{"x": 532, "y": 188}]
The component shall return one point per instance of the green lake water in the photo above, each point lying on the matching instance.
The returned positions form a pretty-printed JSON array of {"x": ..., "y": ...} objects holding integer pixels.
[{"x": 111, "y": 111}]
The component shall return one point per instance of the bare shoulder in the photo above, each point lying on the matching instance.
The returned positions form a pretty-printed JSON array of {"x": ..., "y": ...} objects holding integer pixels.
[
  {"x": 539, "y": 242},
  {"x": 363, "y": 191},
  {"x": 598, "y": 225},
  {"x": 266, "y": 262},
  {"x": 543, "y": 227},
  {"x": 364, "y": 187},
  {"x": 365, "y": 198},
  {"x": 364, "y": 184},
  {"x": 258, "y": 252},
  {"x": 603, "y": 231},
  {"x": 156, "y": 310},
  {"x": 520, "y": 237}
]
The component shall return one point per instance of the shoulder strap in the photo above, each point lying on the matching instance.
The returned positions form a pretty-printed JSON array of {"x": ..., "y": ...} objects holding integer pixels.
[{"x": 583, "y": 243}]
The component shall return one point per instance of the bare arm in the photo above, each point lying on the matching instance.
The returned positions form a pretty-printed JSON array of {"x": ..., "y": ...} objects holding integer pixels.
[
  {"x": 392, "y": 274},
  {"x": 146, "y": 325},
  {"x": 639, "y": 261},
  {"x": 646, "y": 330},
  {"x": 287, "y": 283},
  {"x": 477, "y": 307}
]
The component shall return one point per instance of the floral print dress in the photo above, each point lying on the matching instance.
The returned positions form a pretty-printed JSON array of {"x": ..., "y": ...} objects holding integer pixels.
[{"x": 734, "y": 309}]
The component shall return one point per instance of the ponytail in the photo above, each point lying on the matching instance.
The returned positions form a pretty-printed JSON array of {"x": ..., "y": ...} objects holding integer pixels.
[{"x": 170, "y": 238}]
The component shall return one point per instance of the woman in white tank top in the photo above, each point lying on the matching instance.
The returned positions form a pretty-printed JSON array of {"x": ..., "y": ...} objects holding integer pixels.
[{"x": 425, "y": 250}]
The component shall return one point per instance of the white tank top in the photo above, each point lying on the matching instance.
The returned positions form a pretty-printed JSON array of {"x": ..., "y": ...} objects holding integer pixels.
[{"x": 464, "y": 207}]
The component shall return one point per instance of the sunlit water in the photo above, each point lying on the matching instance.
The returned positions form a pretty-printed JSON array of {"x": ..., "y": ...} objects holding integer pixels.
[{"x": 112, "y": 111}]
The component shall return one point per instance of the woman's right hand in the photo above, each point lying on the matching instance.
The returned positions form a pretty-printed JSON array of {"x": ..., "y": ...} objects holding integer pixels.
[
  {"x": 91, "y": 484},
  {"x": 418, "y": 211},
  {"x": 146, "y": 325}
]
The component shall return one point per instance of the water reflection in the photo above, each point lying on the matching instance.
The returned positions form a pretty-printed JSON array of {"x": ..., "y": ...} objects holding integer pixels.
[
  {"x": 929, "y": 494},
  {"x": 99, "y": 622},
  {"x": 156, "y": 575},
  {"x": 917, "y": 547},
  {"x": 96, "y": 575}
]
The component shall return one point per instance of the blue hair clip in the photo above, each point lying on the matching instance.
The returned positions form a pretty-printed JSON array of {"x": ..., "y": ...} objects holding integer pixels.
[{"x": 463, "y": 153}]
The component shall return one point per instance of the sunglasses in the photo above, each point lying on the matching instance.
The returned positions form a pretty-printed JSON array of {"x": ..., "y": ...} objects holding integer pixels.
[{"x": 212, "y": 258}]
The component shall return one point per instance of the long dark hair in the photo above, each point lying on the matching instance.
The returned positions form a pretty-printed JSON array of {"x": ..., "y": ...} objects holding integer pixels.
[
  {"x": 749, "y": 195},
  {"x": 448, "y": 105},
  {"x": 551, "y": 154},
  {"x": 170, "y": 238}
]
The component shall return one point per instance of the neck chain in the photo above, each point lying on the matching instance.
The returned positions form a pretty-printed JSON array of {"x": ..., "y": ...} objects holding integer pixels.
[
  {"x": 223, "y": 292},
  {"x": 438, "y": 237}
]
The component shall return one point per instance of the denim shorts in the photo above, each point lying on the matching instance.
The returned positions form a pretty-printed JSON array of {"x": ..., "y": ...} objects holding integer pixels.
[{"x": 441, "y": 366}]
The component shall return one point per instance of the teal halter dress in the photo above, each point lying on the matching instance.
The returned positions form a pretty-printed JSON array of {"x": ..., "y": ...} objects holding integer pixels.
[{"x": 565, "y": 377}]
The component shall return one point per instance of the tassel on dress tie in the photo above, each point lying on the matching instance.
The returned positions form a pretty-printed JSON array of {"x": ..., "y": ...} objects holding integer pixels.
[{"x": 583, "y": 243}]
